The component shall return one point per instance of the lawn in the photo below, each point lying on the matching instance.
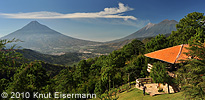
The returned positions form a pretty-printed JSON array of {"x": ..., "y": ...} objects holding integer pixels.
[{"x": 136, "y": 94}]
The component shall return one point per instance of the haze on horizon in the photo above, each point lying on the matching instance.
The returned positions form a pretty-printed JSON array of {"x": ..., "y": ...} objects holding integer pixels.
[{"x": 93, "y": 20}]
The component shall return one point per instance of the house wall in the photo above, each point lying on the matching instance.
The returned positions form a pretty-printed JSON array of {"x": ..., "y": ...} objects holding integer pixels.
[{"x": 165, "y": 88}]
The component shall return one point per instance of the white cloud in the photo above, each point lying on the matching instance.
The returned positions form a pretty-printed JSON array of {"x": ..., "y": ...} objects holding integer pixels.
[
  {"x": 115, "y": 12},
  {"x": 139, "y": 23}
]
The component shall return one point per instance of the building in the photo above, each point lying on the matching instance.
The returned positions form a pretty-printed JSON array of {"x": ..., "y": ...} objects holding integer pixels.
[{"x": 172, "y": 55}]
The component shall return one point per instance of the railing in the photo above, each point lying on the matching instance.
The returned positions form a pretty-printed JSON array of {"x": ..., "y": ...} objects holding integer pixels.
[
  {"x": 144, "y": 80},
  {"x": 149, "y": 67}
]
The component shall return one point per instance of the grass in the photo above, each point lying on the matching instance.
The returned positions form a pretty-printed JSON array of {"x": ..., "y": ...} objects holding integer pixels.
[{"x": 136, "y": 94}]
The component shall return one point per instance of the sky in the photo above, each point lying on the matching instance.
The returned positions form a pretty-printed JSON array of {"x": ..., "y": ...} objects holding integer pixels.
[{"x": 95, "y": 20}]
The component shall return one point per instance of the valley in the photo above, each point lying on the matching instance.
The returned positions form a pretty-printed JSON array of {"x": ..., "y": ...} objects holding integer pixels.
[{"x": 46, "y": 43}]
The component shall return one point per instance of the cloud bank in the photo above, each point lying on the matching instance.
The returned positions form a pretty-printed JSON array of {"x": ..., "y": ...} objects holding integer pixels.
[{"x": 115, "y": 12}]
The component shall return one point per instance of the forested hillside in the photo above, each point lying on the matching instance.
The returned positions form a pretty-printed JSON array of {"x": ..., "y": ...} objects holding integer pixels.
[{"x": 65, "y": 59}]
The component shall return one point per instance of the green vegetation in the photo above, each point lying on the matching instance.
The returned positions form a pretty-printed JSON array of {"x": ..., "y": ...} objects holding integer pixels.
[
  {"x": 29, "y": 77},
  {"x": 159, "y": 73},
  {"x": 88, "y": 76},
  {"x": 191, "y": 76},
  {"x": 159, "y": 42},
  {"x": 191, "y": 26},
  {"x": 65, "y": 59}
]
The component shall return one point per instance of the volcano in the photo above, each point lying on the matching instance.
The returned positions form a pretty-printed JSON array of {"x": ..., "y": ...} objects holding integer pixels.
[{"x": 41, "y": 38}]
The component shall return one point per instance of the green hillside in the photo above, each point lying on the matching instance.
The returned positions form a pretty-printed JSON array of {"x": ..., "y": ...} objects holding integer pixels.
[{"x": 65, "y": 59}]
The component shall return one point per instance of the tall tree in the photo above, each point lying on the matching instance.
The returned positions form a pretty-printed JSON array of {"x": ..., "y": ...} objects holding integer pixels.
[
  {"x": 81, "y": 72},
  {"x": 192, "y": 76},
  {"x": 30, "y": 77},
  {"x": 157, "y": 43},
  {"x": 159, "y": 73},
  {"x": 136, "y": 47},
  {"x": 111, "y": 70},
  {"x": 64, "y": 81},
  {"x": 10, "y": 61},
  {"x": 189, "y": 26}
]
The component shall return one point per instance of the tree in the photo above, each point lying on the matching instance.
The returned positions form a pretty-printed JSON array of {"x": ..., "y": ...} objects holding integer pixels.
[
  {"x": 136, "y": 68},
  {"x": 191, "y": 77},
  {"x": 64, "y": 81},
  {"x": 199, "y": 36},
  {"x": 111, "y": 69},
  {"x": 141, "y": 65},
  {"x": 157, "y": 43},
  {"x": 10, "y": 61},
  {"x": 30, "y": 77},
  {"x": 130, "y": 69},
  {"x": 159, "y": 74},
  {"x": 189, "y": 26},
  {"x": 136, "y": 47},
  {"x": 81, "y": 72}
]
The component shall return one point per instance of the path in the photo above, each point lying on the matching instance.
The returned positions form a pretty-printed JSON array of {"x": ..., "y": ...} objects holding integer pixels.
[{"x": 151, "y": 89}]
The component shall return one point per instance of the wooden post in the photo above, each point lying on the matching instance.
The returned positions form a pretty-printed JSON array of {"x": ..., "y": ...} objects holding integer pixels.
[
  {"x": 129, "y": 79},
  {"x": 168, "y": 88}
]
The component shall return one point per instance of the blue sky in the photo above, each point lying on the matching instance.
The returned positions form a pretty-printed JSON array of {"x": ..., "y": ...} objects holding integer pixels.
[{"x": 96, "y": 20}]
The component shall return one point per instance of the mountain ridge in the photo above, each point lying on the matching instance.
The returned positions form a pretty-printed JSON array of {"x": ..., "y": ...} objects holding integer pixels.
[
  {"x": 150, "y": 30},
  {"x": 149, "y": 25},
  {"x": 46, "y": 40}
]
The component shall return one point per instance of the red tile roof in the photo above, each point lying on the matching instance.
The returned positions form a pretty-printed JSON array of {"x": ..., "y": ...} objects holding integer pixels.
[{"x": 171, "y": 54}]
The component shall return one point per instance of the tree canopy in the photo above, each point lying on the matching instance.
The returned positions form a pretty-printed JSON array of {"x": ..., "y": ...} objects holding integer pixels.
[
  {"x": 192, "y": 25},
  {"x": 192, "y": 75},
  {"x": 157, "y": 43},
  {"x": 159, "y": 73}
]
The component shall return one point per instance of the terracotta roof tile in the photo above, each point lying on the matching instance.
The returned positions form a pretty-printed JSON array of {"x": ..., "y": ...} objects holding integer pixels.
[
  {"x": 171, "y": 54},
  {"x": 183, "y": 56}
]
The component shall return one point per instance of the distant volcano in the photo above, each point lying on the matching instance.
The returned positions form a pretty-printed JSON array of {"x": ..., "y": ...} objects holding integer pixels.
[
  {"x": 41, "y": 38},
  {"x": 150, "y": 30}
]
